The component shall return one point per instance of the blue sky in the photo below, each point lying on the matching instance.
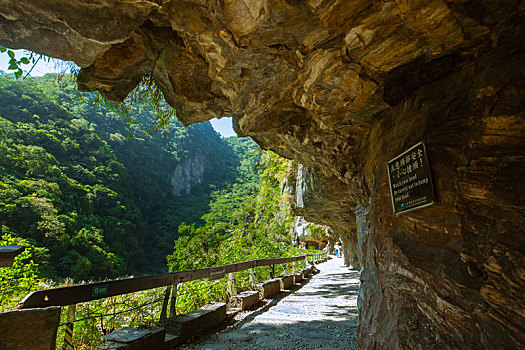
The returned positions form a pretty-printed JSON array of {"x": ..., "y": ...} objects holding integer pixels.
[{"x": 222, "y": 126}]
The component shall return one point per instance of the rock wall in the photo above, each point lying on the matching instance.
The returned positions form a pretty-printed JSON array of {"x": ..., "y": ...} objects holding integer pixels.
[
  {"x": 343, "y": 87},
  {"x": 318, "y": 204},
  {"x": 187, "y": 174},
  {"x": 449, "y": 275}
]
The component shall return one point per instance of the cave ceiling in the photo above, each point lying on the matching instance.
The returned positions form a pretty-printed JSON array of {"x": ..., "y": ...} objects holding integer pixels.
[{"x": 306, "y": 79}]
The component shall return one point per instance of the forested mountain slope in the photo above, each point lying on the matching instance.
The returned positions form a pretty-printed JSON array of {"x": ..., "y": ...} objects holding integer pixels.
[
  {"x": 100, "y": 196},
  {"x": 250, "y": 219}
]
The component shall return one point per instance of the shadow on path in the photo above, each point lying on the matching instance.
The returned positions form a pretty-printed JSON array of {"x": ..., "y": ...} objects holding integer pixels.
[{"x": 319, "y": 313}]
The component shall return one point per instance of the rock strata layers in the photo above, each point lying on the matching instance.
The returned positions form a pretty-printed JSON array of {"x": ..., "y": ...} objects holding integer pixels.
[{"x": 343, "y": 87}]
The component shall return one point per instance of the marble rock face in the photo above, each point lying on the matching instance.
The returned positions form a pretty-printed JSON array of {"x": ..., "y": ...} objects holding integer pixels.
[{"x": 343, "y": 87}]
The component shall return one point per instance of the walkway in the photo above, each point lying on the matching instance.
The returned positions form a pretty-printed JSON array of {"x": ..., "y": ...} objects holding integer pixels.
[{"x": 322, "y": 314}]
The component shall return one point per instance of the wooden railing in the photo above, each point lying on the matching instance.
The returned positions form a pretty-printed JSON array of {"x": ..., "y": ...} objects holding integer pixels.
[
  {"x": 72, "y": 295},
  {"x": 92, "y": 291}
]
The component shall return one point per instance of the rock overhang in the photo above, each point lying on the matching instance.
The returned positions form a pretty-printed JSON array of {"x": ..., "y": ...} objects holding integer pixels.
[{"x": 281, "y": 67}]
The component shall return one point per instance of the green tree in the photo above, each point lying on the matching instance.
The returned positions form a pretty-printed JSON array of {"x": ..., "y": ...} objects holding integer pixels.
[{"x": 22, "y": 277}]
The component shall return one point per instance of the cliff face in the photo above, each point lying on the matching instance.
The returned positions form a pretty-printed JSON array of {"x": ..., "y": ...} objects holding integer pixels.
[
  {"x": 187, "y": 174},
  {"x": 343, "y": 87},
  {"x": 314, "y": 202}
]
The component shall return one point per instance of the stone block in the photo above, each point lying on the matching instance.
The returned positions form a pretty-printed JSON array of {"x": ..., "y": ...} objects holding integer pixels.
[
  {"x": 34, "y": 329},
  {"x": 245, "y": 299},
  {"x": 171, "y": 341},
  {"x": 153, "y": 340},
  {"x": 306, "y": 272},
  {"x": 232, "y": 312},
  {"x": 286, "y": 282},
  {"x": 298, "y": 277},
  {"x": 268, "y": 288},
  {"x": 192, "y": 323}
]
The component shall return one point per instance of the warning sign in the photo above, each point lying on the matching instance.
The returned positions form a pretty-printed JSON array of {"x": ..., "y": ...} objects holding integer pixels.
[{"x": 410, "y": 180}]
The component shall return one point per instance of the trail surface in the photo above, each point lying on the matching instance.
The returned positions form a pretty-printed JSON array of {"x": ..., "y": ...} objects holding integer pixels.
[{"x": 321, "y": 314}]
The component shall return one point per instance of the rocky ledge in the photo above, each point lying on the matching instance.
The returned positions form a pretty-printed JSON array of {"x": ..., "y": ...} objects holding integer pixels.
[{"x": 343, "y": 87}]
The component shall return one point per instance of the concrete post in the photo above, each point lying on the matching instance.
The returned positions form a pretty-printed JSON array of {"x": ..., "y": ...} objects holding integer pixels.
[
  {"x": 68, "y": 336},
  {"x": 173, "y": 303},
  {"x": 34, "y": 329},
  {"x": 252, "y": 277},
  {"x": 232, "y": 288},
  {"x": 164, "y": 310}
]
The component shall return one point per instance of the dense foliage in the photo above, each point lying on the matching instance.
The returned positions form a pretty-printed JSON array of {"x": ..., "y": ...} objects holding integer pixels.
[
  {"x": 98, "y": 203},
  {"x": 20, "y": 278},
  {"x": 250, "y": 219},
  {"x": 92, "y": 195}
]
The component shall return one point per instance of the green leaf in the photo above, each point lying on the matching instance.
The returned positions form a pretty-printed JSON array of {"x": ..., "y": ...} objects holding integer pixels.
[
  {"x": 18, "y": 73},
  {"x": 24, "y": 60},
  {"x": 12, "y": 66},
  {"x": 11, "y": 53},
  {"x": 2, "y": 49}
]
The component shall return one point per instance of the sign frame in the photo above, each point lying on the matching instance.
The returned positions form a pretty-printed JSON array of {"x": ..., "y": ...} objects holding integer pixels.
[
  {"x": 100, "y": 290},
  {"x": 431, "y": 183}
]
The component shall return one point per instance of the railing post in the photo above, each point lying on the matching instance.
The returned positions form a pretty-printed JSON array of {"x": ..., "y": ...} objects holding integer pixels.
[
  {"x": 173, "y": 303},
  {"x": 232, "y": 288},
  {"x": 252, "y": 277},
  {"x": 68, "y": 336},
  {"x": 272, "y": 271},
  {"x": 164, "y": 310}
]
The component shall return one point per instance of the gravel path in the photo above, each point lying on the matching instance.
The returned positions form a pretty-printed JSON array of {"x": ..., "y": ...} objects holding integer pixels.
[{"x": 319, "y": 314}]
